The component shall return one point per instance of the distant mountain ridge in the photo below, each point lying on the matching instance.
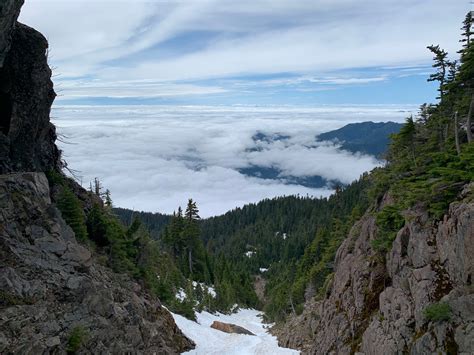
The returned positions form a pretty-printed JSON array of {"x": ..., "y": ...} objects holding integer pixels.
[
  {"x": 154, "y": 221},
  {"x": 365, "y": 137}
]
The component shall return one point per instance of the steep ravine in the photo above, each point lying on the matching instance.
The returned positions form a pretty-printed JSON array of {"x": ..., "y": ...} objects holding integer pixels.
[
  {"x": 375, "y": 303},
  {"x": 55, "y": 296}
]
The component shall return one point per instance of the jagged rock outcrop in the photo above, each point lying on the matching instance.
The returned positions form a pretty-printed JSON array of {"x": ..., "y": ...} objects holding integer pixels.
[
  {"x": 51, "y": 287},
  {"x": 26, "y": 94},
  {"x": 9, "y": 11},
  {"x": 375, "y": 304}
]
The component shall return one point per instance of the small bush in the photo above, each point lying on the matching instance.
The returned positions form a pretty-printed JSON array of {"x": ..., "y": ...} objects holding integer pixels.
[
  {"x": 389, "y": 221},
  {"x": 77, "y": 338},
  {"x": 73, "y": 213},
  {"x": 55, "y": 178},
  {"x": 438, "y": 312},
  {"x": 7, "y": 299}
]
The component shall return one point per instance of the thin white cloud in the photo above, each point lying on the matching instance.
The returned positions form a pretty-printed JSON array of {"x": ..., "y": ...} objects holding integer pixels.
[
  {"x": 77, "y": 89},
  {"x": 107, "y": 40}
]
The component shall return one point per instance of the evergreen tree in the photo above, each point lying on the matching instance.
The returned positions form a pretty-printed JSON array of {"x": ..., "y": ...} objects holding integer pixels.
[
  {"x": 193, "y": 244},
  {"x": 467, "y": 31},
  {"x": 441, "y": 64},
  {"x": 72, "y": 212},
  {"x": 97, "y": 187},
  {"x": 108, "y": 199}
]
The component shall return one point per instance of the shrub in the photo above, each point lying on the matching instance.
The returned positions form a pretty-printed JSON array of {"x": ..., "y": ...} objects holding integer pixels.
[
  {"x": 438, "y": 312},
  {"x": 389, "y": 221},
  {"x": 77, "y": 338},
  {"x": 72, "y": 212}
]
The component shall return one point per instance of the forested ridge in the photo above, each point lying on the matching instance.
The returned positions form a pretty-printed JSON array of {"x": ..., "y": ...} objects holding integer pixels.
[{"x": 364, "y": 137}]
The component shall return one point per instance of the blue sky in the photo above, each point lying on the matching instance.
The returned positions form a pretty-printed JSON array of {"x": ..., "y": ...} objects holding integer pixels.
[{"x": 260, "y": 52}]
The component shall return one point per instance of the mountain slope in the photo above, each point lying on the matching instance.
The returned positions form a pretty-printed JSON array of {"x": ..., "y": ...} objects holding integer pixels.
[{"x": 364, "y": 137}]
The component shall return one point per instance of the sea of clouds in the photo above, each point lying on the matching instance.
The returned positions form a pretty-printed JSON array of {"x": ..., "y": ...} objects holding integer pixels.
[{"x": 154, "y": 158}]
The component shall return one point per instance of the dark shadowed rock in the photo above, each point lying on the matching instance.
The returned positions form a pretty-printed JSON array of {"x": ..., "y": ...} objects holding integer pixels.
[
  {"x": 230, "y": 328},
  {"x": 26, "y": 94},
  {"x": 9, "y": 11}
]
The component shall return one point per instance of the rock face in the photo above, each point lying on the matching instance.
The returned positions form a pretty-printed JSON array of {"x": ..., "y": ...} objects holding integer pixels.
[
  {"x": 9, "y": 11},
  {"x": 376, "y": 304},
  {"x": 51, "y": 287},
  {"x": 26, "y": 94},
  {"x": 230, "y": 328}
]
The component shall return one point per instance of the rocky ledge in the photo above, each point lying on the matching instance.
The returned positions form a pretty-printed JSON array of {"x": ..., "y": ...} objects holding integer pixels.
[{"x": 54, "y": 296}]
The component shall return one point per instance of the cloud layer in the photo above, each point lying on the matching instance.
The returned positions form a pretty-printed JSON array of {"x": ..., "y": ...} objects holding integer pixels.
[{"x": 156, "y": 157}]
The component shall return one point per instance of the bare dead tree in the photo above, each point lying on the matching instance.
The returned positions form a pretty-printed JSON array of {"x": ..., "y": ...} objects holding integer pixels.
[{"x": 456, "y": 133}]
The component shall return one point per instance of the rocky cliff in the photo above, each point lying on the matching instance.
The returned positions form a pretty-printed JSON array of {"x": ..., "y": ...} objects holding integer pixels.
[
  {"x": 416, "y": 299},
  {"x": 55, "y": 296},
  {"x": 26, "y": 94}
]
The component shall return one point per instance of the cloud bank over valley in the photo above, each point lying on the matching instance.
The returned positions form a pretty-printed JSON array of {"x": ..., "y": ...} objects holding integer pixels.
[{"x": 153, "y": 158}]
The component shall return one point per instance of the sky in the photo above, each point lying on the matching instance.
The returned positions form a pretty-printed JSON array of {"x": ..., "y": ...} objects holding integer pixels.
[
  {"x": 259, "y": 52},
  {"x": 162, "y": 100}
]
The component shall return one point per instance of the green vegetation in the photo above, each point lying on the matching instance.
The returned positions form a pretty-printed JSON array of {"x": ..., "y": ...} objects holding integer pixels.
[
  {"x": 71, "y": 208},
  {"x": 437, "y": 312},
  {"x": 155, "y": 222},
  {"x": 181, "y": 239},
  {"x": 77, "y": 338},
  {"x": 7, "y": 299},
  {"x": 389, "y": 221},
  {"x": 296, "y": 238},
  {"x": 72, "y": 212}
]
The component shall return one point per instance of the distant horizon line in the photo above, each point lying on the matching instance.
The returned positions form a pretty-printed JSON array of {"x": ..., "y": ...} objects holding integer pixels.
[{"x": 242, "y": 105}]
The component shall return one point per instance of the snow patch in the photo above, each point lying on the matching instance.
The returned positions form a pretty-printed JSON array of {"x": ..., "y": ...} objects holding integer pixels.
[
  {"x": 249, "y": 254},
  {"x": 211, "y": 341},
  {"x": 208, "y": 289},
  {"x": 180, "y": 295},
  {"x": 283, "y": 235}
]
